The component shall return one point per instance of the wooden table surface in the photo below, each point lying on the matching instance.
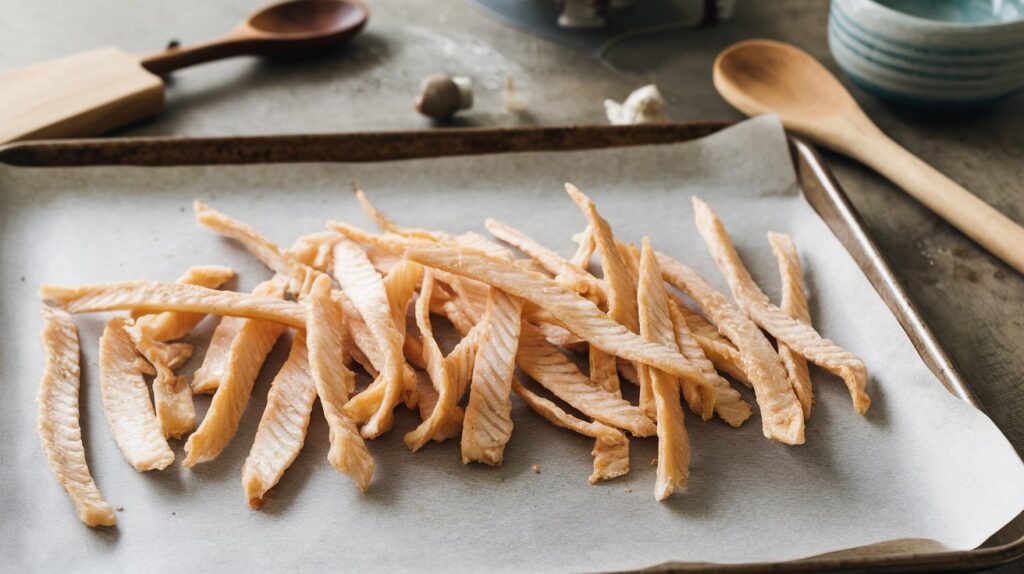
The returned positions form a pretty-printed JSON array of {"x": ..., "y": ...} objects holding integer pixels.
[{"x": 974, "y": 304}]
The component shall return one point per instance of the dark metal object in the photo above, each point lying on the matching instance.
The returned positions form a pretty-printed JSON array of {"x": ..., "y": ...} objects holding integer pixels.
[{"x": 816, "y": 182}]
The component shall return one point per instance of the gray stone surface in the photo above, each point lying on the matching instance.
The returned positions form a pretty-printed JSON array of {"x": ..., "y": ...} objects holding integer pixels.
[{"x": 974, "y": 303}]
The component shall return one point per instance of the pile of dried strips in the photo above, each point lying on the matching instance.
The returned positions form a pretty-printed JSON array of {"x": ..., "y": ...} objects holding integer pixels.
[{"x": 531, "y": 313}]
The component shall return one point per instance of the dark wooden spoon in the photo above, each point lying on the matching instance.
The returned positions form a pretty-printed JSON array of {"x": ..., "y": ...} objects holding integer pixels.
[{"x": 288, "y": 29}]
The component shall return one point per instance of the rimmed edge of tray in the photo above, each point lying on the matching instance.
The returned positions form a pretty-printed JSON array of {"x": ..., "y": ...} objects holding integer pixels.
[{"x": 816, "y": 181}]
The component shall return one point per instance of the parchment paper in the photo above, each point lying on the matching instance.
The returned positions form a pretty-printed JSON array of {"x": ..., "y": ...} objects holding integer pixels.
[{"x": 921, "y": 464}]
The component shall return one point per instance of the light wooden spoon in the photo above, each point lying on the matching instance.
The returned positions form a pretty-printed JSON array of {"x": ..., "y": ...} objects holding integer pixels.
[{"x": 763, "y": 76}]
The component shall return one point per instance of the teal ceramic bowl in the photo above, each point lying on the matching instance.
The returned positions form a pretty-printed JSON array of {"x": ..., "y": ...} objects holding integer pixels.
[{"x": 931, "y": 53}]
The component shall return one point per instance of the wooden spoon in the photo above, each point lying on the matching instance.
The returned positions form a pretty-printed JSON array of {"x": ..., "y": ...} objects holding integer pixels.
[
  {"x": 763, "y": 76},
  {"x": 287, "y": 29},
  {"x": 94, "y": 92}
]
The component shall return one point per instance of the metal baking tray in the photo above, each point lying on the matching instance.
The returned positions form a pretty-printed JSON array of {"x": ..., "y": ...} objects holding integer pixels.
[{"x": 816, "y": 181}]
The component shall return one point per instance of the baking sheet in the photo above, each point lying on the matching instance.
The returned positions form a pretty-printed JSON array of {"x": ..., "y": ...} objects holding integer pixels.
[{"x": 921, "y": 465}]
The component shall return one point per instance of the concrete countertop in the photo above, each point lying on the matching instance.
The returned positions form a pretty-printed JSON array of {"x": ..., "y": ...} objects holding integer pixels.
[{"x": 974, "y": 304}]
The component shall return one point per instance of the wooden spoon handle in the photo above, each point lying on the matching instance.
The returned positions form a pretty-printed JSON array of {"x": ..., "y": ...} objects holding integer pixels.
[
  {"x": 997, "y": 233},
  {"x": 235, "y": 44}
]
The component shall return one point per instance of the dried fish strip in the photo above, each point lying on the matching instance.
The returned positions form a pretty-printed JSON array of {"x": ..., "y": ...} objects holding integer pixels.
[
  {"x": 619, "y": 279},
  {"x": 57, "y": 420},
  {"x": 656, "y": 325},
  {"x": 428, "y": 397},
  {"x": 729, "y": 404},
  {"x": 781, "y": 415},
  {"x": 437, "y": 369},
  {"x": 334, "y": 383},
  {"x": 364, "y": 286},
  {"x": 154, "y": 296},
  {"x": 487, "y": 426},
  {"x": 248, "y": 351},
  {"x": 126, "y": 400},
  {"x": 794, "y": 302},
  {"x": 170, "y": 325},
  {"x": 611, "y": 448},
  {"x": 797, "y": 335},
  {"x": 172, "y": 396},
  {"x": 722, "y": 353},
  {"x": 282, "y": 429}
]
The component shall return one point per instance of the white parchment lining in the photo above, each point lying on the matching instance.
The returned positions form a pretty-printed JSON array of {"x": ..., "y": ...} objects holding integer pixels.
[{"x": 922, "y": 464}]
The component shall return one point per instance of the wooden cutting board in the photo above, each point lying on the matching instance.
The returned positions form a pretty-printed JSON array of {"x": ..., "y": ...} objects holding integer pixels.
[{"x": 84, "y": 94}]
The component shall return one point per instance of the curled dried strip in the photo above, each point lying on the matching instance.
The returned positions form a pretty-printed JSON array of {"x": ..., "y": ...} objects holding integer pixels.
[
  {"x": 364, "y": 405},
  {"x": 437, "y": 369},
  {"x": 459, "y": 365},
  {"x": 364, "y": 286},
  {"x": 172, "y": 396},
  {"x": 611, "y": 448},
  {"x": 248, "y": 351},
  {"x": 412, "y": 347},
  {"x": 794, "y": 302},
  {"x": 452, "y": 425},
  {"x": 781, "y": 416},
  {"x": 126, "y": 400},
  {"x": 334, "y": 383},
  {"x": 554, "y": 371},
  {"x": 282, "y": 429},
  {"x": 487, "y": 426},
  {"x": 154, "y": 296},
  {"x": 57, "y": 420},
  {"x": 656, "y": 325},
  {"x": 580, "y": 315},
  {"x": 400, "y": 284},
  {"x": 796, "y": 334},
  {"x": 585, "y": 246}
]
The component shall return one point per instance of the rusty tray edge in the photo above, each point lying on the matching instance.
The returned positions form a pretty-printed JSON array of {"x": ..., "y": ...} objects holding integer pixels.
[{"x": 818, "y": 184}]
